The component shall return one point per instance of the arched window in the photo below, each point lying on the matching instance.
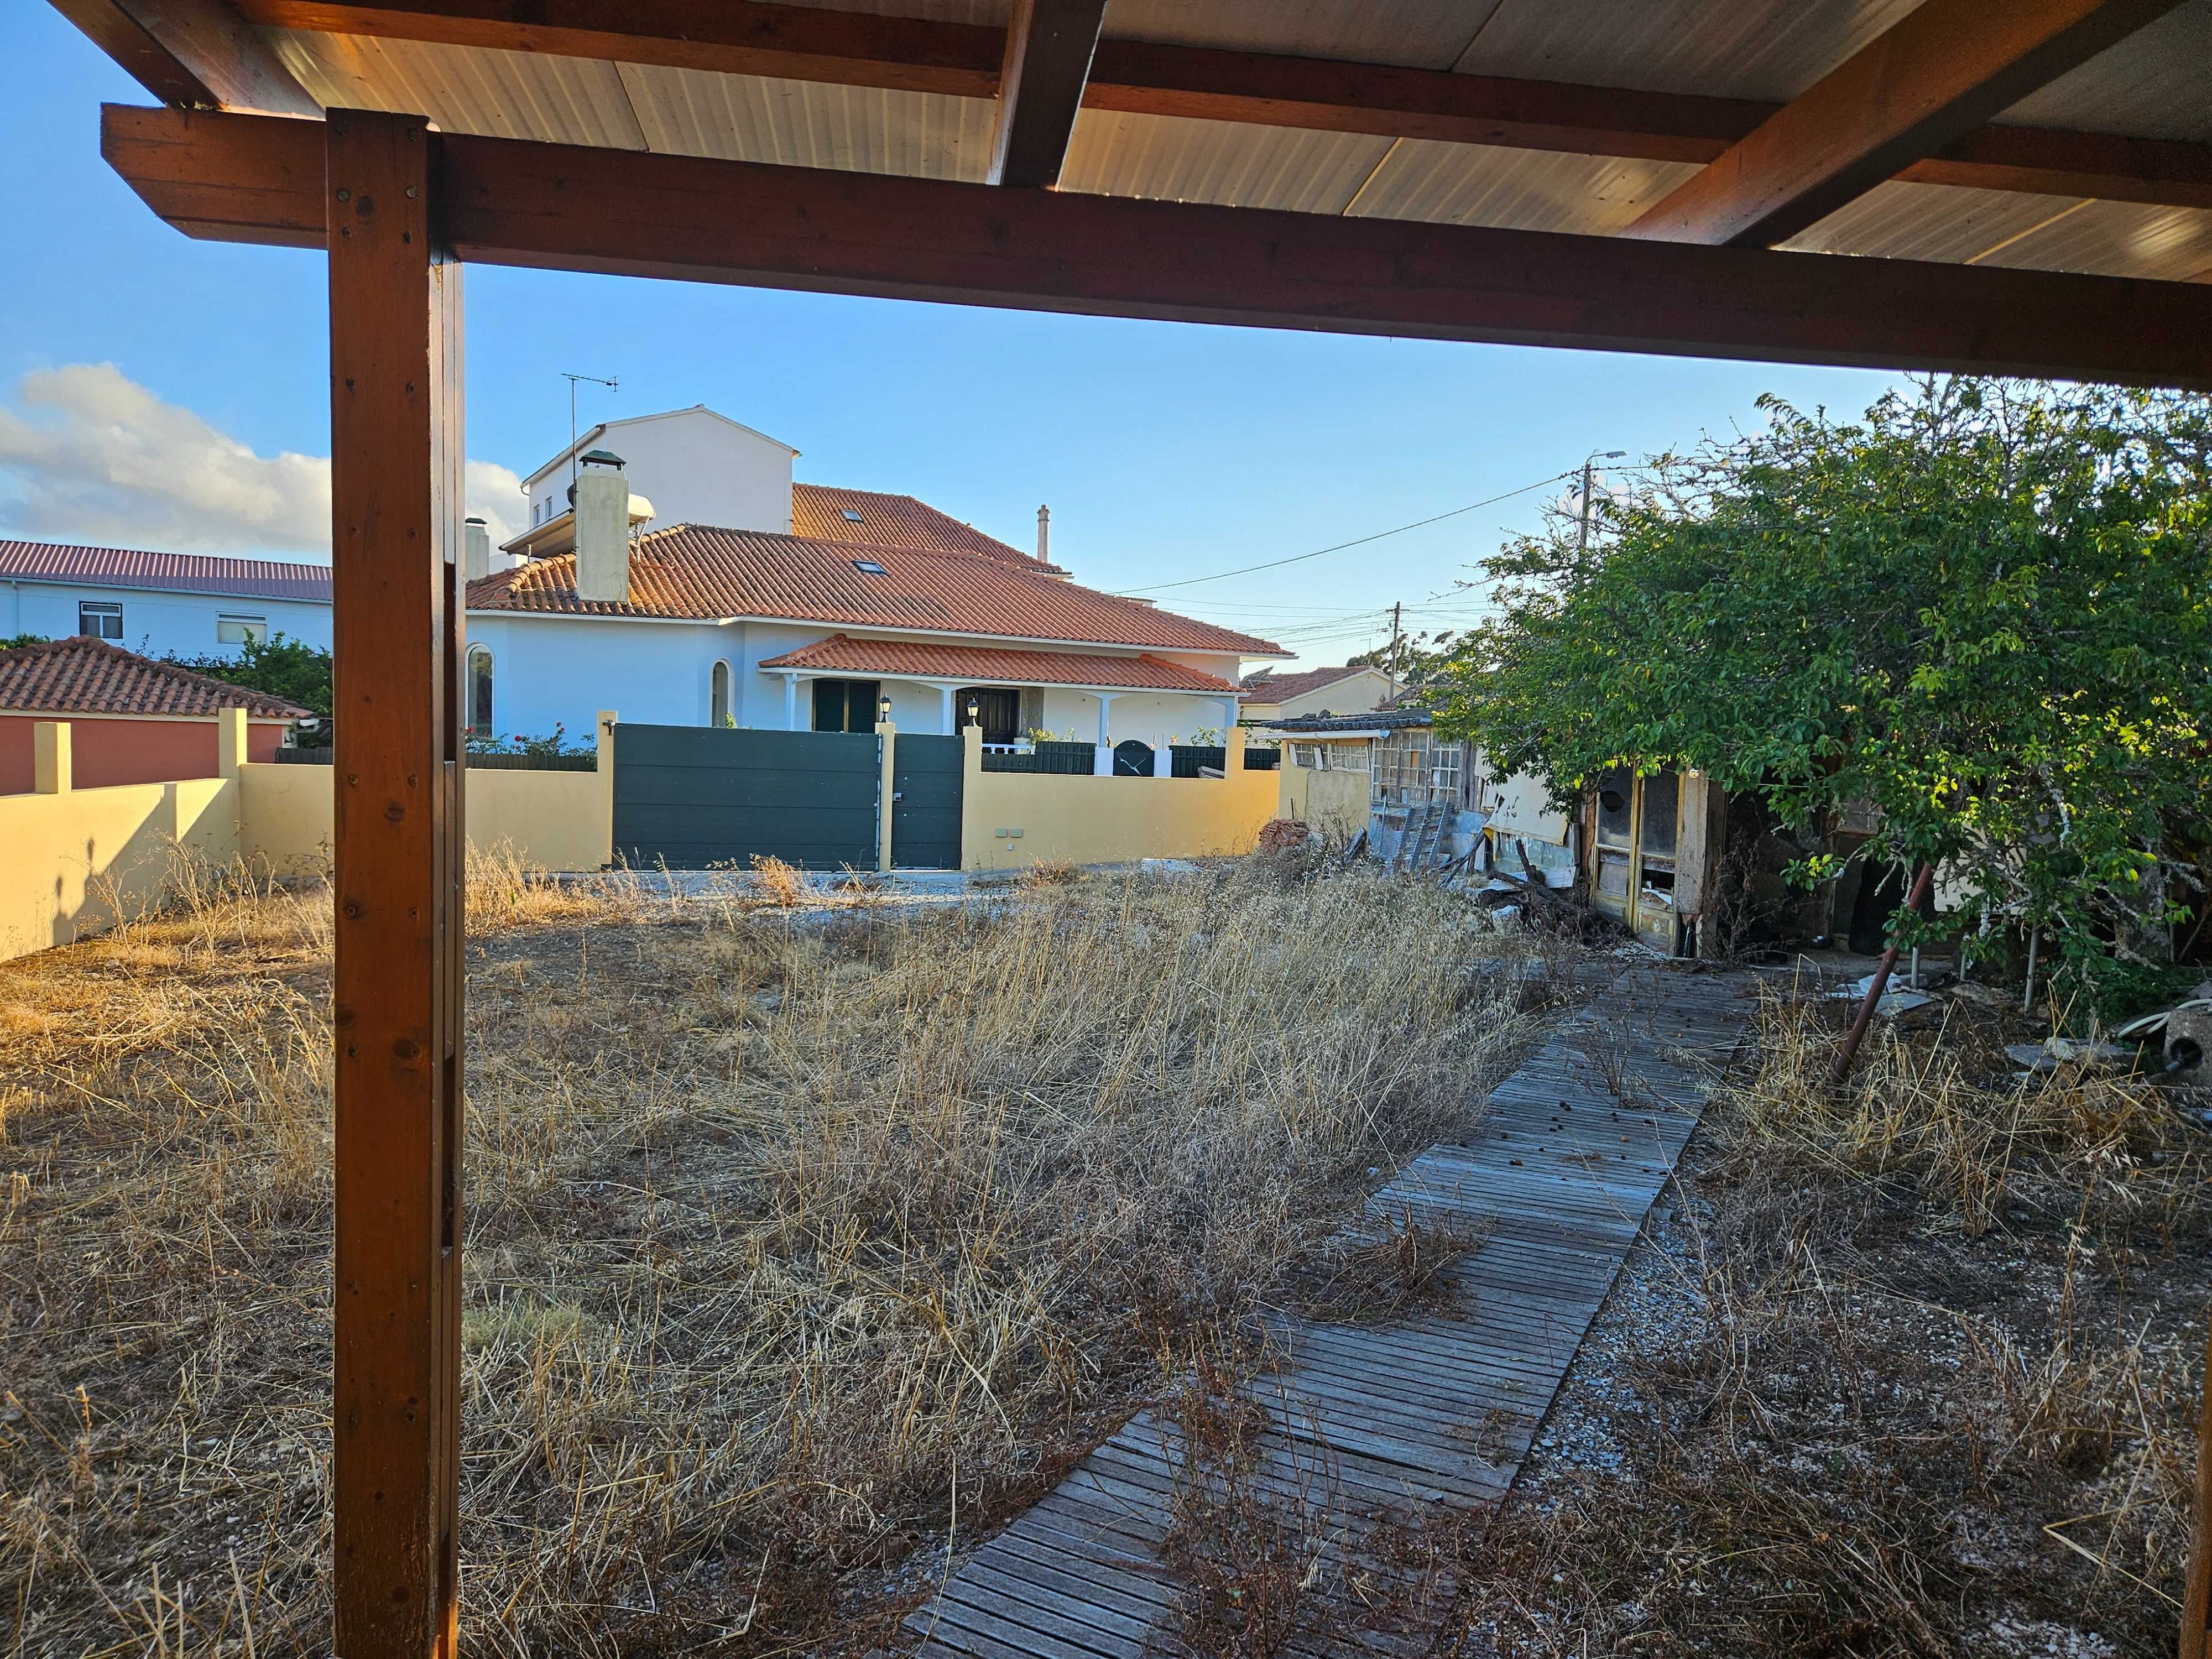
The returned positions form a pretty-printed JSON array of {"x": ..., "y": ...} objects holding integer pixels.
[
  {"x": 480, "y": 691},
  {"x": 718, "y": 699}
]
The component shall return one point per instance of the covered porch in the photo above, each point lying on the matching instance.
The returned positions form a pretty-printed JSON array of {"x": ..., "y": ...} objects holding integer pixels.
[{"x": 1384, "y": 152}]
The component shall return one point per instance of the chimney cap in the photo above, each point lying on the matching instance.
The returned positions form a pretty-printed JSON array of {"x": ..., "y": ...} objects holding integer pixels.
[
  {"x": 601, "y": 458},
  {"x": 472, "y": 519}
]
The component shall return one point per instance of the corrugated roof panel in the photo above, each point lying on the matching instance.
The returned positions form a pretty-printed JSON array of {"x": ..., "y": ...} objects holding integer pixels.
[
  {"x": 992, "y": 13},
  {"x": 1170, "y": 158},
  {"x": 1516, "y": 189},
  {"x": 497, "y": 94},
  {"x": 2119, "y": 239},
  {"x": 1740, "y": 48},
  {"x": 1940, "y": 222},
  {"x": 1417, "y": 33},
  {"x": 2157, "y": 83},
  {"x": 747, "y": 118},
  {"x": 1951, "y": 226}
]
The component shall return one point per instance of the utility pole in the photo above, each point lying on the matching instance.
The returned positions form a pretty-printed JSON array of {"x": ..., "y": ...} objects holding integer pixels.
[
  {"x": 1582, "y": 537},
  {"x": 572, "y": 379},
  {"x": 1397, "y": 635}
]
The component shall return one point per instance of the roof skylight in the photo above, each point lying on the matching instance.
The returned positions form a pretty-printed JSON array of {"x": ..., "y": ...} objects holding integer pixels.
[
  {"x": 853, "y": 517},
  {"x": 867, "y": 567}
]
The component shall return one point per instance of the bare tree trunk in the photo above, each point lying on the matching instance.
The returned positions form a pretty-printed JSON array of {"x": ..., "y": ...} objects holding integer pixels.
[{"x": 1846, "y": 1055}]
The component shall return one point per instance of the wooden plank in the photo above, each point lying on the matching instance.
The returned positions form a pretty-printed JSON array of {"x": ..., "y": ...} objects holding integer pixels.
[
  {"x": 395, "y": 503},
  {"x": 1940, "y": 72},
  {"x": 1364, "y": 1422},
  {"x": 225, "y": 54},
  {"x": 1047, "y": 60},
  {"x": 560, "y": 207},
  {"x": 731, "y": 37},
  {"x": 138, "y": 53},
  {"x": 746, "y": 37}
]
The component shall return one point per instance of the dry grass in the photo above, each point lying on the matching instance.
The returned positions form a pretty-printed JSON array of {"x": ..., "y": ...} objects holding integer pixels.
[
  {"x": 782, "y": 1232},
  {"x": 1937, "y": 1391}
]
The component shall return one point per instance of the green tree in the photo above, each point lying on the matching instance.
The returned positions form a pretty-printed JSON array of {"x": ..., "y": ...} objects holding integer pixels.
[
  {"x": 15, "y": 641},
  {"x": 1984, "y": 608},
  {"x": 280, "y": 666}
]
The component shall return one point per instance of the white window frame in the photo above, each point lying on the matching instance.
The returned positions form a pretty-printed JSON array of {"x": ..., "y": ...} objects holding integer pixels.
[
  {"x": 721, "y": 680},
  {"x": 246, "y": 626},
  {"x": 102, "y": 610}
]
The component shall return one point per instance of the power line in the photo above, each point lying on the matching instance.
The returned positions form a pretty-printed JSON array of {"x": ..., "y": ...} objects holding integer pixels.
[{"x": 1297, "y": 558}]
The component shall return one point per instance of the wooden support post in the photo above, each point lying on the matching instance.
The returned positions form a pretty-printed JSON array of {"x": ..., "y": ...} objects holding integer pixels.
[{"x": 396, "y": 503}]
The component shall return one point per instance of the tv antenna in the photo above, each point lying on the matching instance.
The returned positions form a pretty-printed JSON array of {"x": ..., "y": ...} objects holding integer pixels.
[{"x": 611, "y": 385}]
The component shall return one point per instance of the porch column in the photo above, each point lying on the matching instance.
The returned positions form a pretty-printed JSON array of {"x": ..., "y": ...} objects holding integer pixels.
[
  {"x": 791, "y": 703},
  {"x": 1104, "y": 766},
  {"x": 396, "y": 499},
  {"x": 952, "y": 726}
]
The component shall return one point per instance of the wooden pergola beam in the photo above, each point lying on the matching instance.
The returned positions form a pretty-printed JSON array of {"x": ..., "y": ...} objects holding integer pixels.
[
  {"x": 562, "y": 208},
  {"x": 1943, "y": 69},
  {"x": 196, "y": 53},
  {"x": 1047, "y": 60},
  {"x": 751, "y": 37},
  {"x": 396, "y": 541}
]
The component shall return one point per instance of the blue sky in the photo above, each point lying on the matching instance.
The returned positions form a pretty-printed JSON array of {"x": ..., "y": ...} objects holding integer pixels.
[{"x": 1166, "y": 451}]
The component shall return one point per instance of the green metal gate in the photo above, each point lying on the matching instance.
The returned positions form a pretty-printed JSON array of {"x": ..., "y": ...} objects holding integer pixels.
[
  {"x": 692, "y": 796},
  {"x": 927, "y": 782}
]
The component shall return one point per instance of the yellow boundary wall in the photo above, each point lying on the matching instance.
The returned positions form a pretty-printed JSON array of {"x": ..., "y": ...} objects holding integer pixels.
[
  {"x": 70, "y": 858},
  {"x": 1333, "y": 803},
  {"x": 1107, "y": 820}
]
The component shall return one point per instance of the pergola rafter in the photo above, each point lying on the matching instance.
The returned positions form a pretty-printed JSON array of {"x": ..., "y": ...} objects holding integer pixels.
[
  {"x": 557, "y": 207},
  {"x": 1941, "y": 72}
]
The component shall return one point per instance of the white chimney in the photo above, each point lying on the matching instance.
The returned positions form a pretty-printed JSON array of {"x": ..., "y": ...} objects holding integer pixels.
[
  {"x": 476, "y": 559},
  {"x": 601, "y": 498},
  {"x": 1044, "y": 535}
]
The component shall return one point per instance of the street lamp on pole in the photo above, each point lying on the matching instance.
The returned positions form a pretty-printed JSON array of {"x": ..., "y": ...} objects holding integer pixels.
[{"x": 1582, "y": 537}]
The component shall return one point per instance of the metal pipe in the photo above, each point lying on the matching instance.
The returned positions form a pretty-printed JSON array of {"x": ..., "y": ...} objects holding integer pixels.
[
  {"x": 1841, "y": 1068},
  {"x": 2027, "y": 991}
]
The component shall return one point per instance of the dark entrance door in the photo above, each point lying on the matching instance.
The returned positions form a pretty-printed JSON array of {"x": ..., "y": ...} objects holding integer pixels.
[
  {"x": 692, "y": 796},
  {"x": 998, "y": 711},
  {"x": 926, "y": 778}
]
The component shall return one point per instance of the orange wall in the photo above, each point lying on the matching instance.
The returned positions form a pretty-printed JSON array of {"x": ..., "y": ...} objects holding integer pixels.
[{"x": 106, "y": 752}]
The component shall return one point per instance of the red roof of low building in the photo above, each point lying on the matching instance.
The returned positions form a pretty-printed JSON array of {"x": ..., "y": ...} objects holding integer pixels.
[
  {"x": 167, "y": 573},
  {"x": 987, "y": 664},
  {"x": 1268, "y": 686},
  {"x": 85, "y": 676},
  {"x": 696, "y": 571},
  {"x": 886, "y": 520}
]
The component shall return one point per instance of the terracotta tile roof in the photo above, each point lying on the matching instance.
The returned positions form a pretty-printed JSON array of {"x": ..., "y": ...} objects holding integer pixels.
[
  {"x": 84, "y": 675},
  {"x": 171, "y": 572},
  {"x": 819, "y": 511},
  {"x": 694, "y": 571},
  {"x": 1268, "y": 686},
  {"x": 987, "y": 664}
]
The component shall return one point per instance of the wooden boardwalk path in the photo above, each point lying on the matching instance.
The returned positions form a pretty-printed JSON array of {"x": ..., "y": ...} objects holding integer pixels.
[{"x": 1404, "y": 1421}]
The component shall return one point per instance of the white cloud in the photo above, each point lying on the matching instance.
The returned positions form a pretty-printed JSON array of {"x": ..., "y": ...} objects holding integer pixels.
[{"x": 95, "y": 457}]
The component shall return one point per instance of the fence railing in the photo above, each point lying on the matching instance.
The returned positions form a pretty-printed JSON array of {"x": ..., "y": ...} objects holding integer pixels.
[
  {"x": 1068, "y": 759},
  {"x": 482, "y": 762}
]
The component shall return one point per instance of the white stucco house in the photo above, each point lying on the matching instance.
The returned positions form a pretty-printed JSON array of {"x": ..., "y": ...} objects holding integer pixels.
[
  {"x": 690, "y": 580},
  {"x": 159, "y": 604},
  {"x": 797, "y": 606}
]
